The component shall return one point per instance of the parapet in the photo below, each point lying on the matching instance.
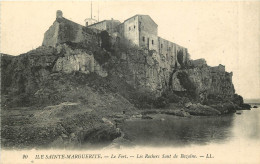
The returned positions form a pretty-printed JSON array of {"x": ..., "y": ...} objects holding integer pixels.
[
  {"x": 219, "y": 68},
  {"x": 197, "y": 63}
]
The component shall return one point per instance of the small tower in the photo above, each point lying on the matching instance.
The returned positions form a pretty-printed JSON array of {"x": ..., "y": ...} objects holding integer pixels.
[
  {"x": 90, "y": 21},
  {"x": 59, "y": 14}
]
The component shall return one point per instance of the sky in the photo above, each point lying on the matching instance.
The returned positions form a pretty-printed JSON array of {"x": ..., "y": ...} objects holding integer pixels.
[{"x": 221, "y": 32}]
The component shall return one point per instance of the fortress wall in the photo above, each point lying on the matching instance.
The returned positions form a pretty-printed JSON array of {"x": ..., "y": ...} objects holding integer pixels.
[
  {"x": 148, "y": 33},
  {"x": 112, "y": 26},
  {"x": 100, "y": 26},
  {"x": 70, "y": 31},
  {"x": 169, "y": 50},
  {"x": 148, "y": 40},
  {"x": 197, "y": 62},
  {"x": 64, "y": 30},
  {"x": 51, "y": 35},
  {"x": 131, "y": 30}
]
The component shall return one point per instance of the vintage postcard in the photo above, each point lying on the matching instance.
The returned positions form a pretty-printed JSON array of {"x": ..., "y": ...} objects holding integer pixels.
[{"x": 130, "y": 82}]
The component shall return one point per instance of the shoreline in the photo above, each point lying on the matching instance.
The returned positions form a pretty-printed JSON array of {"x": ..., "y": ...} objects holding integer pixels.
[{"x": 85, "y": 127}]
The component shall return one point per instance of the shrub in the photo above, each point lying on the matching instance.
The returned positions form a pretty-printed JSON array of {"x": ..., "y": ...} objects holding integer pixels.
[
  {"x": 160, "y": 102},
  {"x": 101, "y": 56},
  {"x": 180, "y": 57},
  {"x": 187, "y": 84},
  {"x": 105, "y": 40}
]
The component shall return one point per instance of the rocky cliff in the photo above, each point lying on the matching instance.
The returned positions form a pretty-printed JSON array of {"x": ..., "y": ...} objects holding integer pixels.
[
  {"x": 69, "y": 47},
  {"x": 81, "y": 83},
  {"x": 143, "y": 70}
]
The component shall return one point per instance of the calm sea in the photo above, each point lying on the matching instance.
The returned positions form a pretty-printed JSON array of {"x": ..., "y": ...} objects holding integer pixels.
[{"x": 172, "y": 131}]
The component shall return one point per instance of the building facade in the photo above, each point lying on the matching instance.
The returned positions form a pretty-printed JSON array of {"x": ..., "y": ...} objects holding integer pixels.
[
  {"x": 90, "y": 21},
  {"x": 142, "y": 31},
  {"x": 109, "y": 25}
]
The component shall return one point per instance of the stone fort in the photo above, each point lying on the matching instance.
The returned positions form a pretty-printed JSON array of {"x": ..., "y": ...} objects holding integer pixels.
[
  {"x": 142, "y": 31},
  {"x": 149, "y": 61},
  {"x": 138, "y": 30}
]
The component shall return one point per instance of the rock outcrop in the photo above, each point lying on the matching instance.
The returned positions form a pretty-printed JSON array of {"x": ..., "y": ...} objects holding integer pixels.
[
  {"x": 202, "y": 110},
  {"x": 77, "y": 60},
  {"x": 144, "y": 71},
  {"x": 69, "y": 47},
  {"x": 204, "y": 82},
  {"x": 24, "y": 73}
]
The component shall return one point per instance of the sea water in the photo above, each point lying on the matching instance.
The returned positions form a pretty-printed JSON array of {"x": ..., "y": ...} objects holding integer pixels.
[{"x": 174, "y": 131}]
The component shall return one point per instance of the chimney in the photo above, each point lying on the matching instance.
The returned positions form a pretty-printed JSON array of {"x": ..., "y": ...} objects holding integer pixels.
[{"x": 59, "y": 14}]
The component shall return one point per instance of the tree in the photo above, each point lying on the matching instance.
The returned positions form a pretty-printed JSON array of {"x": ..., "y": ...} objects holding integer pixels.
[
  {"x": 105, "y": 40},
  {"x": 180, "y": 57}
]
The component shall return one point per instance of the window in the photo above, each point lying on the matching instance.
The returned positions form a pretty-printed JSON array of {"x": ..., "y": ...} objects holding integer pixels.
[
  {"x": 134, "y": 27},
  {"x": 86, "y": 23},
  {"x": 143, "y": 38},
  {"x": 129, "y": 28},
  {"x": 161, "y": 45},
  {"x": 152, "y": 41}
]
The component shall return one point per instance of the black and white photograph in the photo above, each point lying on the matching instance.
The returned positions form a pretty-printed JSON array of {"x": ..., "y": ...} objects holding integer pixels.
[{"x": 130, "y": 82}]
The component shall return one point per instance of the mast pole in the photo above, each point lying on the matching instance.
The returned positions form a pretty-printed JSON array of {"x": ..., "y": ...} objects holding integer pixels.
[
  {"x": 98, "y": 11},
  {"x": 91, "y": 9}
]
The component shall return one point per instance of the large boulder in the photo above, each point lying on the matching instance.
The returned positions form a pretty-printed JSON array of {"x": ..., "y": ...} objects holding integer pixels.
[
  {"x": 104, "y": 134},
  {"x": 202, "y": 110},
  {"x": 245, "y": 107},
  {"x": 225, "y": 108},
  {"x": 180, "y": 113}
]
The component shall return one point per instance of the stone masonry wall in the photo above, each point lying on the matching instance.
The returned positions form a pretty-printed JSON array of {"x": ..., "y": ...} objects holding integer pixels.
[
  {"x": 64, "y": 30},
  {"x": 51, "y": 35}
]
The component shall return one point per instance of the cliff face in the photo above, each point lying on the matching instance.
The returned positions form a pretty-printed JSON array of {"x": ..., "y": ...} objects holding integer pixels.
[
  {"x": 204, "y": 83},
  {"x": 20, "y": 74},
  {"x": 24, "y": 77},
  {"x": 141, "y": 70},
  {"x": 146, "y": 71},
  {"x": 77, "y": 60}
]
